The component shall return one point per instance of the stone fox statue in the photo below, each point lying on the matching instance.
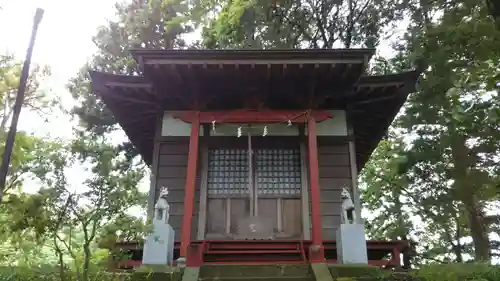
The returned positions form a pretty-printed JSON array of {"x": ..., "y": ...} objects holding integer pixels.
[
  {"x": 348, "y": 215},
  {"x": 161, "y": 207},
  {"x": 159, "y": 244}
]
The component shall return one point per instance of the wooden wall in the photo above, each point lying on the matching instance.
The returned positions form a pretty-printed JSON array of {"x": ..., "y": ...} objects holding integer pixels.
[
  {"x": 334, "y": 173},
  {"x": 172, "y": 168}
]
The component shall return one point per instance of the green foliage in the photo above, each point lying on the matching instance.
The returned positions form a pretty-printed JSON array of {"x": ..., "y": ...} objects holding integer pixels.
[
  {"x": 23, "y": 220},
  {"x": 109, "y": 192},
  {"x": 124, "y": 228},
  {"x": 33, "y": 159},
  {"x": 294, "y": 24},
  {"x": 453, "y": 272},
  {"x": 356, "y": 270},
  {"x": 36, "y": 99},
  {"x": 50, "y": 273},
  {"x": 447, "y": 174},
  {"x": 28, "y": 274},
  {"x": 68, "y": 222},
  {"x": 60, "y": 225},
  {"x": 455, "y": 120},
  {"x": 139, "y": 24},
  {"x": 386, "y": 184}
]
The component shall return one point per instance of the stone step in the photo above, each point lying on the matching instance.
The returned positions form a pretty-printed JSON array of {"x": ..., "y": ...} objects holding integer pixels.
[
  {"x": 256, "y": 271},
  {"x": 279, "y": 278}
]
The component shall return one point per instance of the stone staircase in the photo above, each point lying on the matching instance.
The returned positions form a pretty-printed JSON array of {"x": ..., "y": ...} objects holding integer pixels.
[
  {"x": 254, "y": 251},
  {"x": 262, "y": 272},
  {"x": 267, "y": 272}
]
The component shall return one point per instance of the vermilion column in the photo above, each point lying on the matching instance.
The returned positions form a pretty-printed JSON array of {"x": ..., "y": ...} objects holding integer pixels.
[
  {"x": 316, "y": 250},
  {"x": 187, "y": 218}
]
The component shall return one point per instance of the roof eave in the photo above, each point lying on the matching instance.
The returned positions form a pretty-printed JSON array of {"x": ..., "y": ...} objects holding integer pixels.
[
  {"x": 407, "y": 82},
  {"x": 319, "y": 56}
]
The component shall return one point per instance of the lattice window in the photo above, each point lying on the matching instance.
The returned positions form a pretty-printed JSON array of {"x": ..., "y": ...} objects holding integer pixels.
[
  {"x": 278, "y": 171},
  {"x": 228, "y": 172}
]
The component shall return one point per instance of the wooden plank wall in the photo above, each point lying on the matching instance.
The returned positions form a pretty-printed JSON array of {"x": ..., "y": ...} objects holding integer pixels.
[
  {"x": 172, "y": 168},
  {"x": 334, "y": 173}
]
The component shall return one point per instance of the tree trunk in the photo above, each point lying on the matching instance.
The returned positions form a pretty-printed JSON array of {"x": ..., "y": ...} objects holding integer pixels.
[
  {"x": 466, "y": 188},
  {"x": 458, "y": 247},
  {"x": 479, "y": 232},
  {"x": 494, "y": 11},
  {"x": 407, "y": 255},
  {"x": 86, "y": 261},
  {"x": 60, "y": 256},
  {"x": 457, "y": 250}
]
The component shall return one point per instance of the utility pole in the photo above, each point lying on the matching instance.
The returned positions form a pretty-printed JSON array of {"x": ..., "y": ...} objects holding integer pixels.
[{"x": 11, "y": 136}]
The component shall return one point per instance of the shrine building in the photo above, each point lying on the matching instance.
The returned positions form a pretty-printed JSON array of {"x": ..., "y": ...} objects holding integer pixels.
[{"x": 256, "y": 146}]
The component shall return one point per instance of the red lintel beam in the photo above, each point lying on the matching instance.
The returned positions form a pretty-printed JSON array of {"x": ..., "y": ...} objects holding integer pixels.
[
  {"x": 187, "y": 218},
  {"x": 316, "y": 250},
  {"x": 255, "y": 117}
]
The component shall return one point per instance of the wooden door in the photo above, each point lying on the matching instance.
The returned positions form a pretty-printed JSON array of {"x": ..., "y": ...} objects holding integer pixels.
[
  {"x": 228, "y": 193},
  {"x": 278, "y": 189},
  {"x": 261, "y": 203}
]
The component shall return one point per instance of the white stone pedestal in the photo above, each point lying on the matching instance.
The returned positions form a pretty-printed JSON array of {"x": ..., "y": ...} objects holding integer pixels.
[
  {"x": 351, "y": 244},
  {"x": 159, "y": 246}
]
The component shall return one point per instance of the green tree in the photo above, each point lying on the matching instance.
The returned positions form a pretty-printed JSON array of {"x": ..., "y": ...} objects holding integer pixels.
[
  {"x": 22, "y": 219},
  {"x": 404, "y": 210},
  {"x": 30, "y": 156},
  {"x": 389, "y": 197},
  {"x": 36, "y": 99},
  {"x": 78, "y": 216},
  {"x": 451, "y": 163},
  {"x": 139, "y": 24},
  {"x": 295, "y": 24}
]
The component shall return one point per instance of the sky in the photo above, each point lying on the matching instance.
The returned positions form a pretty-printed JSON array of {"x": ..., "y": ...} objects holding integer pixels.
[{"x": 63, "y": 42}]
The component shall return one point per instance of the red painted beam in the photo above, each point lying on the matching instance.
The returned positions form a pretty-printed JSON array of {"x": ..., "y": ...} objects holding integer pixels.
[
  {"x": 316, "y": 250},
  {"x": 254, "y": 116},
  {"x": 252, "y": 251},
  {"x": 187, "y": 217}
]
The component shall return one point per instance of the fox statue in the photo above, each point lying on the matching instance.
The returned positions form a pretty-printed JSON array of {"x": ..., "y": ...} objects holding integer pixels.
[{"x": 348, "y": 215}]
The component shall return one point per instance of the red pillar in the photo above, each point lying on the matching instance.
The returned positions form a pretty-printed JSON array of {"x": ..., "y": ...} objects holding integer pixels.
[
  {"x": 192, "y": 164},
  {"x": 316, "y": 250}
]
